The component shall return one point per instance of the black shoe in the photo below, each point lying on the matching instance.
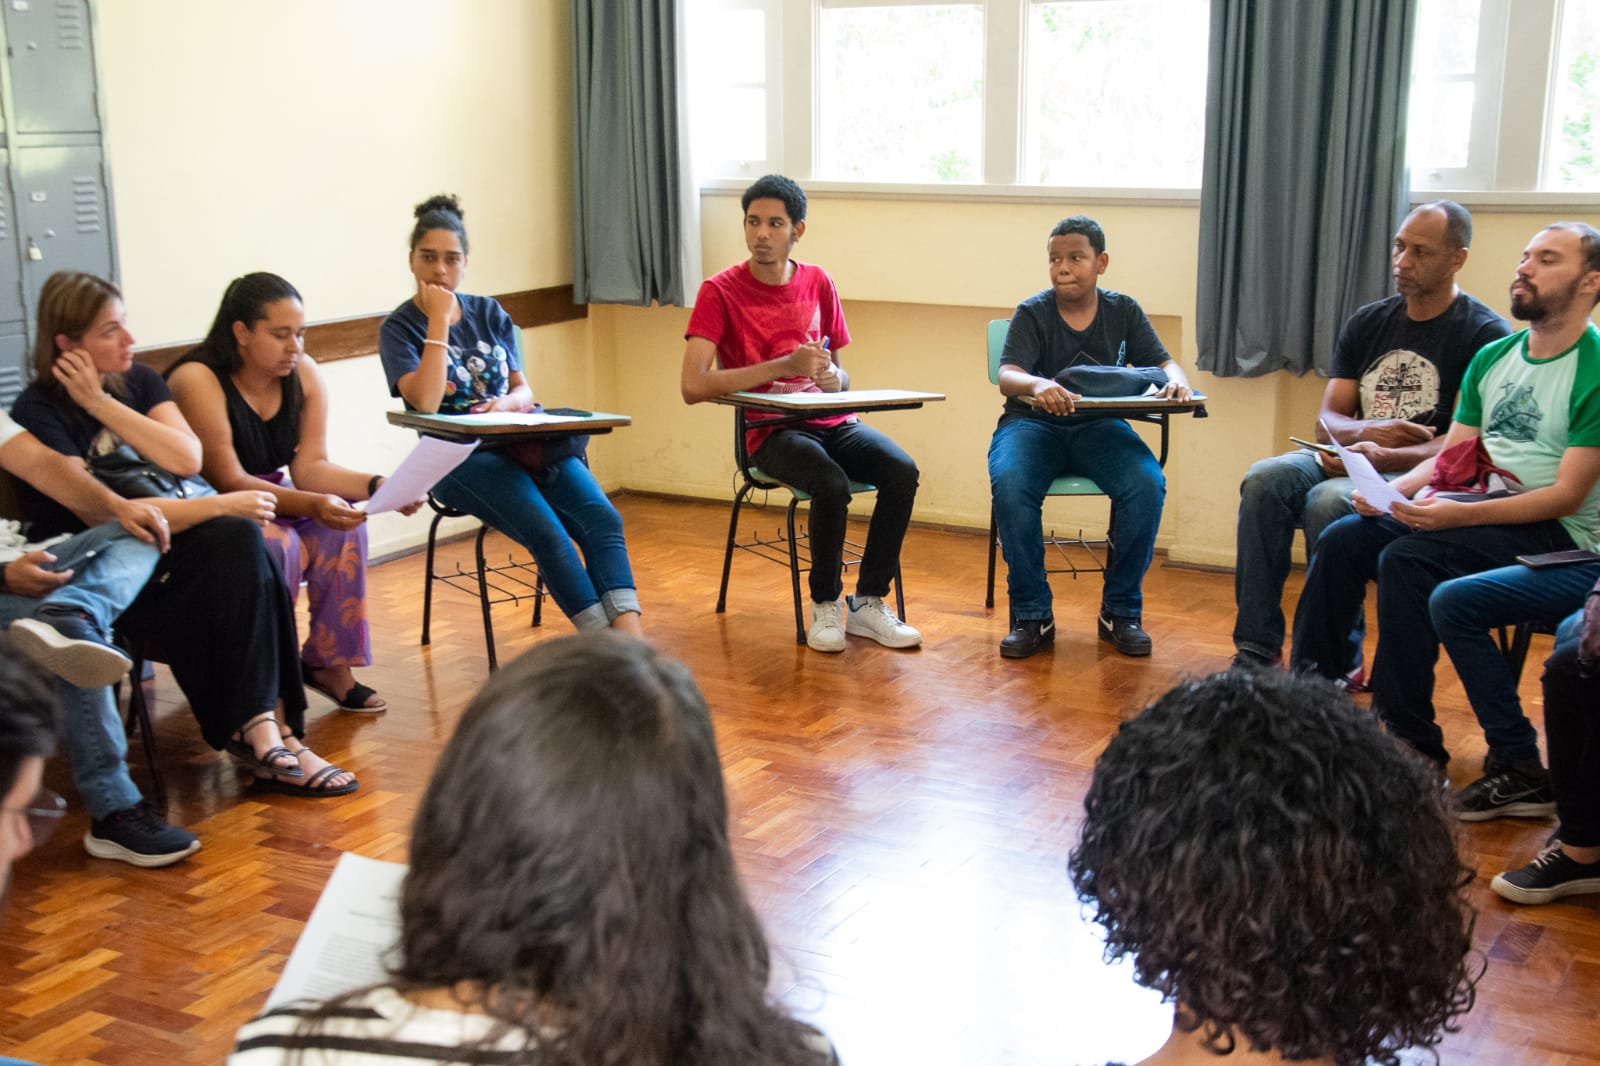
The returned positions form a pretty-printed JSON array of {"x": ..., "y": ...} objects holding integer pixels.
[
  {"x": 1549, "y": 877},
  {"x": 1027, "y": 637},
  {"x": 1245, "y": 659},
  {"x": 1125, "y": 635},
  {"x": 1509, "y": 793},
  {"x": 138, "y": 836}
]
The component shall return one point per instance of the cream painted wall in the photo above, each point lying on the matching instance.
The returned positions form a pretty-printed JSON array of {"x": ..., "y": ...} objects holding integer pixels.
[{"x": 296, "y": 137}]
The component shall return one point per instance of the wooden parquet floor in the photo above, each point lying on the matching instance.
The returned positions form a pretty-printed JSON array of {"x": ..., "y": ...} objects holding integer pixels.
[{"x": 902, "y": 820}]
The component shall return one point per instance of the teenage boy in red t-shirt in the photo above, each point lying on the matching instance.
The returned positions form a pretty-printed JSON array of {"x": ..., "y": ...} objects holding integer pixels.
[{"x": 774, "y": 324}]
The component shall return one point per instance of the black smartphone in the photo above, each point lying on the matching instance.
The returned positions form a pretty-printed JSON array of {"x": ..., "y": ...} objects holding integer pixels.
[
  {"x": 1563, "y": 558},
  {"x": 571, "y": 412}
]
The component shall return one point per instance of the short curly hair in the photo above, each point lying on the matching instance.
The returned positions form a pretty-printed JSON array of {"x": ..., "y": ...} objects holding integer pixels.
[{"x": 1281, "y": 870}]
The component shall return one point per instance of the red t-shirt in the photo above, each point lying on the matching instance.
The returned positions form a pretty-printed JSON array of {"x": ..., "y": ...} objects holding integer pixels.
[{"x": 751, "y": 322}]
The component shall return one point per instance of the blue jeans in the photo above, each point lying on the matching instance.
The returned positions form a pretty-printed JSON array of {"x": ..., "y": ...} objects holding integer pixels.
[
  {"x": 1026, "y": 455},
  {"x": 1277, "y": 496},
  {"x": 822, "y": 463},
  {"x": 1407, "y": 567},
  {"x": 91, "y": 727},
  {"x": 546, "y": 512},
  {"x": 1465, "y": 609}
]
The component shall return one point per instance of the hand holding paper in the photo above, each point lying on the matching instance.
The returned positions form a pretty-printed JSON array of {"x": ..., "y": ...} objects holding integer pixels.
[
  {"x": 1374, "y": 488},
  {"x": 419, "y": 472}
]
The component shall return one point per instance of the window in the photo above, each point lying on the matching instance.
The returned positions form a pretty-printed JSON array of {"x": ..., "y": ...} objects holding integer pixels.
[
  {"x": 733, "y": 60},
  {"x": 900, "y": 92},
  {"x": 1082, "y": 93},
  {"x": 1115, "y": 93},
  {"x": 1572, "y": 146},
  {"x": 1503, "y": 94}
]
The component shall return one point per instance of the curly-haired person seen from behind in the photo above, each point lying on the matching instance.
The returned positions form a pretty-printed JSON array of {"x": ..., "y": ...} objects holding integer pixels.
[
  {"x": 571, "y": 896},
  {"x": 1282, "y": 872}
]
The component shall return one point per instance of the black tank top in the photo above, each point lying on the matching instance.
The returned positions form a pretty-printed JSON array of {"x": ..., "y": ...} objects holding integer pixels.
[{"x": 262, "y": 446}]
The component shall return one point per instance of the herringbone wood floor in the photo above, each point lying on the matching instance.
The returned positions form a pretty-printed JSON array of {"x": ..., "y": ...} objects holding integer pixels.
[{"x": 902, "y": 820}]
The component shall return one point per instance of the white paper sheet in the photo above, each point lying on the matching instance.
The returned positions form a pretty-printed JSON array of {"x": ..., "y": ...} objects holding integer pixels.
[
  {"x": 354, "y": 924},
  {"x": 514, "y": 418},
  {"x": 418, "y": 472},
  {"x": 1373, "y": 486}
]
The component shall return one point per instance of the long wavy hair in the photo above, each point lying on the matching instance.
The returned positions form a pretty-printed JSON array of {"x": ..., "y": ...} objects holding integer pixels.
[
  {"x": 69, "y": 303},
  {"x": 245, "y": 300},
  {"x": 570, "y": 863},
  {"x": 1281, "y": 870}
]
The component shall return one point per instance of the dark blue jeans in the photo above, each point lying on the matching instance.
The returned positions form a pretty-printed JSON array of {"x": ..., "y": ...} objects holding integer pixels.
[
  {"x": 1278, "y": 496},
  {"x": 1465, "y": 609},
  {"x": 1407, "y": 566},
  {"x": 822, "y": 463},
  {"x": 1026, "y": 455}
]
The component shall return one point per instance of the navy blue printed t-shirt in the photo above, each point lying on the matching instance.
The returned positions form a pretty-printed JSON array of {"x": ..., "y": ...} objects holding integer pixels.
[{"x": 482, "y": 351}]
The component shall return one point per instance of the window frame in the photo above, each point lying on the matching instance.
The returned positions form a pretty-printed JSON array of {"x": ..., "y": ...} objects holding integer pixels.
[{"x": 1510, "y": 152}]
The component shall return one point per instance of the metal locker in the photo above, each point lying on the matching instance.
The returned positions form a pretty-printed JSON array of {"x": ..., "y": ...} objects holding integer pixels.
[
  {"x": 11, "y": 306},
  {"x": 13, "y": 315},
  {"x": 52, "y": 66},
  {"x": 13, "y": 364},
  {"x": 62, "y": 222}
]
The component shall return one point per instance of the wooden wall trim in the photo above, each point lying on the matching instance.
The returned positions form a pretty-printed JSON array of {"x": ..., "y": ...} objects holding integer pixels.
[{"x": 349, "y": 338}]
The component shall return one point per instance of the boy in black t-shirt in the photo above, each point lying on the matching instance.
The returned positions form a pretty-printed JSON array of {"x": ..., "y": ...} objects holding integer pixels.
[{"x": 1075, "y": 323}]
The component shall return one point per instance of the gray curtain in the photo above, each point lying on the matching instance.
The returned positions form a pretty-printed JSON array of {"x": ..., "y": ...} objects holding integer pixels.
[
  {"x": 627, "y": 158},
  {"x": 1304, "y": 179}
]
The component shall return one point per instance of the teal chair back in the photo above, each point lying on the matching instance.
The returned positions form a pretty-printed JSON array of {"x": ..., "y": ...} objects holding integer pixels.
[{"x": 998, "y": 328}]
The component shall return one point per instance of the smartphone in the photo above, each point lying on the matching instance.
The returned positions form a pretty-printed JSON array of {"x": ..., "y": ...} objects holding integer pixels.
[
  {"x": 55, "y": 566},
  {"x": 1325, "y": 449},
  {"x": 1563, "y": 558},
  {"x": 571, "y": 412}
]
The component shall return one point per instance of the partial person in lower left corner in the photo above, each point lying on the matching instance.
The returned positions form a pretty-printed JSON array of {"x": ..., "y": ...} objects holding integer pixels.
[{"x": 29, "y": 812}]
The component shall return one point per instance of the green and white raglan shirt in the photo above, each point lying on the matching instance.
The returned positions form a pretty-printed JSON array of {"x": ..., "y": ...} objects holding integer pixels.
[{"x": 1529, "y": 412}]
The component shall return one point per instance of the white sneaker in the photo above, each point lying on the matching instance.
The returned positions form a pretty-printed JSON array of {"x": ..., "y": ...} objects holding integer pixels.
[
  {"x": 827, "y": 627},
  {"x": 71, "y": 650},
  {"x": 869, "y": 616}
]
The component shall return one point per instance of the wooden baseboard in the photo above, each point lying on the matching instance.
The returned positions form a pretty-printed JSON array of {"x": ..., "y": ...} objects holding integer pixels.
[{"x": 350, "y": 338}]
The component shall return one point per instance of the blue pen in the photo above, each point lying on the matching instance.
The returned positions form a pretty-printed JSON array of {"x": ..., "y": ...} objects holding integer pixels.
[{"x": 825, "y": 341}]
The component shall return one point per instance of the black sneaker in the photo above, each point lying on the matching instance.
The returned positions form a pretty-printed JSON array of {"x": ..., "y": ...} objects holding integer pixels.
[
  {"x": 70, "y": 646},
  {"x": 1509, "y": 793},
  {"x": 1027, "y": 636},
  {"x": 138, "y": 836},
  {"x": 1245, "y": 659},
  {"x": 1124, "y": 634},
  {"x": 1549, "y": 877}
]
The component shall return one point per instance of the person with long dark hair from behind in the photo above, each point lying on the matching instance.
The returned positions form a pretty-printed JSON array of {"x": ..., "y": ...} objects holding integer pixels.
[
  {"x": 1282, "y": 872},
  {"x": 260, "y": 408},
  {"x": 571, "y": 896}
]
